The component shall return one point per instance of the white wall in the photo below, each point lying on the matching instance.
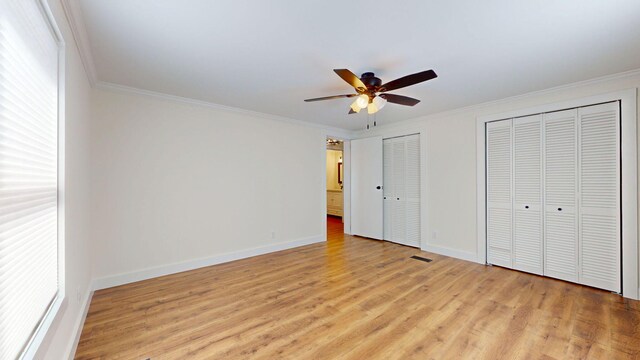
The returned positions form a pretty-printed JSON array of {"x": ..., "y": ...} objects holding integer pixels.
[
  {"x": 60, "y": 338},
  {"x": 451, "y": 157},
  {"x": 175, "y": 182}
]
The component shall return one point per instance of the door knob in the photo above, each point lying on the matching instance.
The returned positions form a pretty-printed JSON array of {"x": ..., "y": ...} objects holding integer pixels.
[{"x": 378, "y": 187}]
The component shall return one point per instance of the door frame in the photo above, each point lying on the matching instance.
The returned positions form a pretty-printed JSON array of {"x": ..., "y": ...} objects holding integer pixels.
[
  {"x": 629, "y": 177},
  {"x": 346, "y": 182}
]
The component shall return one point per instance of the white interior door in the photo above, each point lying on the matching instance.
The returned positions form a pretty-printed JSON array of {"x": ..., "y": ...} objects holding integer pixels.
[
  {"x": 499, "y": 200},
  {"x": 599, "y": 221},
  {"x": 560, "y": 192},
  {"x": 412, "y": 190},
  {"x": 387, "y": 189},
  {"x": 527, "y": 194},
  {"x": 366, "y": 187},
  {"x": 402, "y": 190},
  {"x": 399, "y": 201}
]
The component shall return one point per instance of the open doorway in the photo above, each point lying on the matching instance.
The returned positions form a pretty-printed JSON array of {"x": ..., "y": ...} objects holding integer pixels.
[{"x": 335, "y": 185}]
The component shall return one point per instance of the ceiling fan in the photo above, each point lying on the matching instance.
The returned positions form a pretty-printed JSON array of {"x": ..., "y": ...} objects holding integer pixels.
[{"x": 371, "y": 93}]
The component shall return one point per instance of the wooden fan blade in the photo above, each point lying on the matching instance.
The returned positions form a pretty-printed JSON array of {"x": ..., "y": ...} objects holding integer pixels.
[
  {"x": 351, "y": 78},
  {"x": 399, "y": 99},
  {"x": 331, "y": 97},
  {"x": 408, "y": 80}
]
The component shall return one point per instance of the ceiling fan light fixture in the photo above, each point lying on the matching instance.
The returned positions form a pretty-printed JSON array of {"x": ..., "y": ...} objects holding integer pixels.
[
  {"x": 355, "y": 107},
  {"x": 376, "y": 104},
  {"x": 379, "y": 102},
  {"x": 362, "y": 101}
]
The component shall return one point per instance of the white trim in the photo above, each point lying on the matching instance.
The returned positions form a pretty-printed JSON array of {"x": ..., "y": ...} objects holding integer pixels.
[
  {"x": 41, "y": 333},
  {"x": 73, "y": 13},
  {"x": 79, "y": 324},
  {"x": 425, "y": 230},
  {"x": 629, "y": 197},
  {"x": 629, "y": 176},
  {"x": 106, "y": 86},
  {"x": 346, "y": 182},
  {"x": 62, "y": 133},
  {"x": 458, "y": 254},
  {"x": 36, "y": 341},
  {"x": 323, "y": 176},
  {"x": 481, "y": 202},
  {"x": 346, "y": 187},
  {"x": 78, "y": 29},
  {"x": 121, "y": 279}
]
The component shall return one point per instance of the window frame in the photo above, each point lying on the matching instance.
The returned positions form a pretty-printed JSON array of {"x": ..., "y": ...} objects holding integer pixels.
[{"x": 38, "y": 336}]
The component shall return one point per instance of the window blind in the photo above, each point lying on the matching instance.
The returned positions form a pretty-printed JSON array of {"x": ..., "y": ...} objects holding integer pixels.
[{"x": 28, "y": 172}]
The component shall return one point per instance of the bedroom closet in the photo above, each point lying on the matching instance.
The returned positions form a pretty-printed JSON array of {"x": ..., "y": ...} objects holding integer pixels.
[{"x": 553, "y": 194}]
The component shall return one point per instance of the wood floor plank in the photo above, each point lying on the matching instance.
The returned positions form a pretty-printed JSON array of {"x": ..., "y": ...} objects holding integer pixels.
[{"x": 354, "y": 298}]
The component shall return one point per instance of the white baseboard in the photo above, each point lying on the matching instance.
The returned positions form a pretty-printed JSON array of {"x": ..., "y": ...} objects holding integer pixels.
[
  {"x": 121, "y": 279},
  {"x": 79, "y": 325},
  {"x": 463, "y": 255}
]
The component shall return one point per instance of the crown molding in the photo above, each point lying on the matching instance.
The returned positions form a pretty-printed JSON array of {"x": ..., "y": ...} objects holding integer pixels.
[
  {"x": 333, "y": 131},
  {"x": 75, "y": 19},
  {"x": 73, "y": 13},
  {"x": 480, "y": 106}
]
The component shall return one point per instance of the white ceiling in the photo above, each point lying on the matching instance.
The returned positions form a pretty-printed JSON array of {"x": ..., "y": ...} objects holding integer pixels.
[{"x": 268, "y": 56}]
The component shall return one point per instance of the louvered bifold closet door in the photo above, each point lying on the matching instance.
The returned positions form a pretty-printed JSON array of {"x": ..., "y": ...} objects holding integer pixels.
[
  {"x": 560, "y": 218},
  {"x": 499, "y": 171},
  {"x": 412, "y": 189},
  {"x": 527, "y": 184},
  {"x": 398, "y": 204},
  {"x": 599, "y": 221},
  {"x": 387, "y": 188}
]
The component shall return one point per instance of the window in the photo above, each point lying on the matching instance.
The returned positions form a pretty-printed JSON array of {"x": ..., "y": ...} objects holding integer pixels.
[{"x": 29, "y": 111}]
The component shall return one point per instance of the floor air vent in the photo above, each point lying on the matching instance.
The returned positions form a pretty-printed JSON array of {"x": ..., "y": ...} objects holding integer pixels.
[{"x": 421, "y": 258}]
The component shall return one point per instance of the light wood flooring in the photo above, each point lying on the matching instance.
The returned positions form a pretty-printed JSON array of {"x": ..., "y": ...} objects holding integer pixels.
[{"x": 353, "y": 298}]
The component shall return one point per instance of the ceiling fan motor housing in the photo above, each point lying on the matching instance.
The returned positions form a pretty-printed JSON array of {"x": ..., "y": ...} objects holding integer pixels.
[{"x": 370, "y": 80}]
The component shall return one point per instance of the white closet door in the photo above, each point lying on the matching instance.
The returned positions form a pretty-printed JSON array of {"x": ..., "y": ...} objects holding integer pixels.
[
  {"x": 599, "y": 221},
  {"x": 499, "y": 222},
  {"x": 527, "y": 184},
  {"x": 402, "y": 190},
  {"x": 398, "y": 205},
  {"x": 366, "y": 187},
  {"x": 387, "y": 188},
  {"x": 412, "y": 189},
  {"x": 560, "y": 221}
]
